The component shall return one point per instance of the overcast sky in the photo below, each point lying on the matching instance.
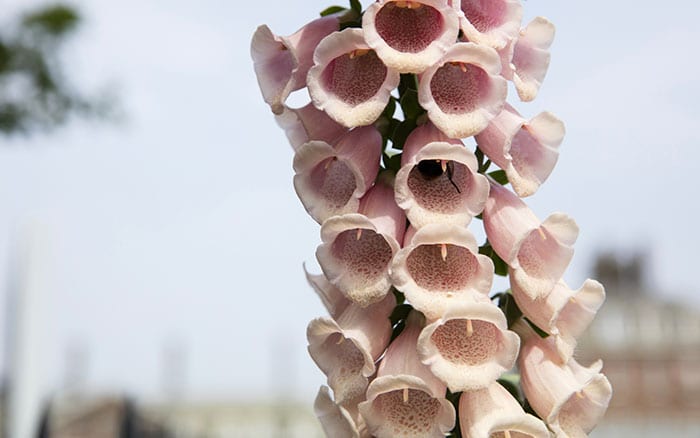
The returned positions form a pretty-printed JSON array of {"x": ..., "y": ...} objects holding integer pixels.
[{"x": 180, "y": 225}]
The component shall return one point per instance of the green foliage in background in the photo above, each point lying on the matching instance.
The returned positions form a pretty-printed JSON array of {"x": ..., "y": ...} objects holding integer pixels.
[{"x": 34, "y": 92}]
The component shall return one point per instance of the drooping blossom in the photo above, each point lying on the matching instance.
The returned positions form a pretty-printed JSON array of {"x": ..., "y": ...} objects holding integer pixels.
[
  {"x": 308, "y": 123},
  {"x": 490, "y": 22},
  {"x": 571, "y": 398},
  {"x": 346, "y": 348},
  {"x": 410, "y": 36},
  {"x": 439, "y": 266},
  {"x": 493, "y": 412},
  {"x": 438, "y": 179},
  {"x": 563, "y": 313},
  {"x": 469, "y": 346},
  {"x": 463, "y": 91},
  {"x": 336, "y": 420},
  {"x": 357, "y": 248},
  {"x": 530, "y": 58},
  {"x": 527, "y": 151},
  {"x": 537, "y": 252},
  {"x": 332, "y": 298},
  {"x": 348, "y": 80},
  {"x": 406, "y": 399},
  {"x": 282, "y": 63},
  {"x": 331, "y": 179}
]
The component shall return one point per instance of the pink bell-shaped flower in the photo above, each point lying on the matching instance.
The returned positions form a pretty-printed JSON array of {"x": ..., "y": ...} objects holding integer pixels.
[
  {"x": 463, "y": 91},
  {"x": 330, "y": 180},
  {"x": 571, "y": 398},
  {"x": 527, "y": 151},
  {"x": 470, "y": 346},
  {"x": 282, "y": 63},
  {"x": 490, "y": 22},
  {"x": 348, "y": 80},
  {"x": 347, "y": 348},
  {"x": 357, "y": 248},
  {"x": 336, "y": 420},
  {"x": 410, "y": 36},
  {"x": 308, "y": 123},
  {"x": 332, "y": 298},
  {"x": 406, "y": 399},
  {"x": 537, "y": 252},
  {"x": 438, "y": 179},
  {"x": 563, "y": 313},
  {"x": 493, "y": 412},
  {"x": 439, "y": 266},
  {"x": 531, "y": 57}
]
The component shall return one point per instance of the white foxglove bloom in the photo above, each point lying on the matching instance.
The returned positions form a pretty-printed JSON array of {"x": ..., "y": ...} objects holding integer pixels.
[
  {"x": 406, "y": 399},
  {"x": 493, "y": 412},
  {"x": 571, "y": 398},
  {"x": 490, "y": 22},
  {"x": 438, "y": 179},
  {"x": 410, "y": 36},
  {"x": 357, "y": 248},
  {"x": 537, "y": 252},
  {"x": 347, "y": 348},
  {"x": 332, "y": 298},
  {"x": 563, "y": 313},
  {"x": 527, "y": 151},
  {"x": 336, "y": 420},
  {"x": 307, "y": 123},
  {"x": 331, "y": 179},
  {"x": 282, "y": 63},
  {"x": 531, "y": 58},
  {"x": 463, "y": 91},
  {"x": 440, "y": 266},
  {"x": 348, "y": 80},
  {"x": 470, "y": 346}
]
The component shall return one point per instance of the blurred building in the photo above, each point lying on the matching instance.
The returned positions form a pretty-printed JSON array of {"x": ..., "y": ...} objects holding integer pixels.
[{"x": 651, "y": 353}]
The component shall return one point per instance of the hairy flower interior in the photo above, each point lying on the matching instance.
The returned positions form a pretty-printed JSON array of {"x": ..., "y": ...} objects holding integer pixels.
[
  {"x": 345, "y": 362},
  {"x": 484, "y": 15},
  {"x": 364, "y": 253},
  {"x": 408, "y": 26},
  {"x": 407, "y": 413},
  {"x": 355, "y": 77},
  {"x": 437, "y": 193},
  {"x": 467, "y": 341},
  {"x": 538, "y": 253},
  {"x": 433, "y": 272},
  {"x": 334, "y": 182},
  {"x": 459, "y": 87}
]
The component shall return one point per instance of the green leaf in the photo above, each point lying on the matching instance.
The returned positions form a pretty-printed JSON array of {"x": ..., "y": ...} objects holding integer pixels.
[
  {"x": 54, "y": 20},
  {"x": 400, "y": 313},
  {"x": 409, "y": 104},
  {"x": 403, "y": 129},
  {"x": 392, "y": 162},
  {"x": 510, "y": 309},
  {"x": 500, "y": 267},
  {"x": 332, "y": 10},
  {"x": 499, "y": 176},
  {"x": 400, "y": 298},
  {"x": 356, "y": 6}
]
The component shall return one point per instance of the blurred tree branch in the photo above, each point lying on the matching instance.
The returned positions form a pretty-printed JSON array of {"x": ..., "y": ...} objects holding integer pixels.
[{"x": 34, "y": 92}]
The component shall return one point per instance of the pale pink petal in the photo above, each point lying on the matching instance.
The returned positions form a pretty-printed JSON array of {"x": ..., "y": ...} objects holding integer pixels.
[
  {"x": 440, "y": 267},
  {"x": 348, "y": 80},
  {"x": 282, "y": 63},
  {"x": 335, "y": 420},
  {"x": 563, "y": 313},
  {"x": 492, "y": 411},
  {"x": 357, "y": 248},
  {"x": 531, "y": 57},
  {"x": 410, "y": 36},
  {"x": 491, "y": 22},
  {"x": 454, "y": 195},
  {"x": 332, "y": 298},
  {"x": 308, "y": 123},
  {"x": 537, "y": 254},
  {"x": 330, "y": 180},
  {"x": 470, "y": 346},
  {"x": 527, "y": 151},
  {"x": 347, "y": 348},
  {"x": 405, "y": 399},
  {"x": 571, "y": 398},
  {"x": 463, "y": 92}
]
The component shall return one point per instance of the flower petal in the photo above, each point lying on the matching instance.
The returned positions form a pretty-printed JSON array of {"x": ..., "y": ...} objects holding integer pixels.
[
  {"x": 332, "y": 298},
  {"x": 463, "y": 92},
  {"x": 531, "y": 57},
  {"x": 348, "y": 80},
  {"x": 308, "y": 123},
  {"x": 491, "y": 22},
  {"x": 410, "y": 36},
  {"x": 335, "y": 420},
  {"x": 330, "y": 180}
]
